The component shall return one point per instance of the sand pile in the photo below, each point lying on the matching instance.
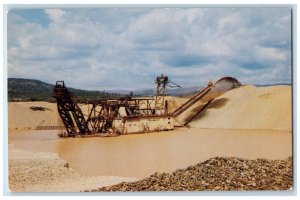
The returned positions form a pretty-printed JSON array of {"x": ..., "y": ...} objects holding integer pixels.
[
  {"x": 21, "y": 115},
  {"x": 216, "y": 174},
  {"x": 249, "y": 107}
]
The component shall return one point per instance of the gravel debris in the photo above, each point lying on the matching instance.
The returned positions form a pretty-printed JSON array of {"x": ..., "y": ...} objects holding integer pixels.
[{"x": 217, "y": 174}]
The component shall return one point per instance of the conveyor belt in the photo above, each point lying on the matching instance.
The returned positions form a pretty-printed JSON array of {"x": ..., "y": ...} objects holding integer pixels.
[
  {"x": 208, "y": 94},
  {"x": 192, "y": 100}
]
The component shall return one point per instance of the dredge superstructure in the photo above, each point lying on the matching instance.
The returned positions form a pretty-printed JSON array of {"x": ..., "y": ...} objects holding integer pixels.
[{"x": 113, "y": 117}]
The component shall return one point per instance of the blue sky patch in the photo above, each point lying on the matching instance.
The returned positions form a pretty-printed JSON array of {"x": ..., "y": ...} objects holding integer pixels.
[{"x": 37, "y": 16}]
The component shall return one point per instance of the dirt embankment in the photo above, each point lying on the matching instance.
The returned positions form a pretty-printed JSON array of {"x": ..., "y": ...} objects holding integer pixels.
[
  {"x": 30, "y": 115},
  {"x": 21, "y": 116},
  {"x": 249, "y": 107}
]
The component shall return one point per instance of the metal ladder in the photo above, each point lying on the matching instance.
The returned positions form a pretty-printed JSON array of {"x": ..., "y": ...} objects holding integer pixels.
[{"x": 67, "y": 106}]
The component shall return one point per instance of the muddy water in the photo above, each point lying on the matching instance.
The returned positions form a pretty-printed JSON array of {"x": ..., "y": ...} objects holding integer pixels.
[{"x": 142, "y": 155}]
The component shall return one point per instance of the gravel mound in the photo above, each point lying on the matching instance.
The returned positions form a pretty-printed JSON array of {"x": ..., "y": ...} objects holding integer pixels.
[{"x": 217, "y": 174}]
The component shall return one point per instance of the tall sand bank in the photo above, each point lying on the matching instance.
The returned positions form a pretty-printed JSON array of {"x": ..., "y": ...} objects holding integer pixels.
[
  {"x": 22, "y": 117},
  {"x": 249, "y": 107}
]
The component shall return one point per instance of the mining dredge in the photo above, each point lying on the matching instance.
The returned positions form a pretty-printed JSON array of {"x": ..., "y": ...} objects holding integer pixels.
[{"x": 129, "y": 115}]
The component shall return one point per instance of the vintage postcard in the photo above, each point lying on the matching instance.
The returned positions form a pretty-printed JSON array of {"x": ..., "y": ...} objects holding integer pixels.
[{"x": 141, "y": 98}]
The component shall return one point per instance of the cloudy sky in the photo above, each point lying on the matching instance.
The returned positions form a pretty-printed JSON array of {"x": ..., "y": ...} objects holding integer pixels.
[{"x": 126, "y": 48}]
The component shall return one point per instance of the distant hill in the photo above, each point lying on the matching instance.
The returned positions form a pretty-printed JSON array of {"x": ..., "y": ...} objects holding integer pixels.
[
  {"x": 20, "y": 89},
  {"x": 267, "y": 85},
  {"x": 34, "y": 90},
  {"x": 152, "y": 92}
]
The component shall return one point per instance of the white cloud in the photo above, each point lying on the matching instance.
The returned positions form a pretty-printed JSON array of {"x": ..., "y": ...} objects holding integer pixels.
[
  {"x": 55, "y": 14},
  {"x": 113, "y": 49},
  {"x": 270, "y": 53}
]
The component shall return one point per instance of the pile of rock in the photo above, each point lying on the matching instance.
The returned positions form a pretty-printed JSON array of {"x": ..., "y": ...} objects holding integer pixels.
[
  {"x": 36, "y": 174},
  {"x": 217, "y": 174}
]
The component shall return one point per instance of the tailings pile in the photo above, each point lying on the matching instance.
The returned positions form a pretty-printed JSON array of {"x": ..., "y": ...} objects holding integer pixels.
[{"x": 217, "y": 174}]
